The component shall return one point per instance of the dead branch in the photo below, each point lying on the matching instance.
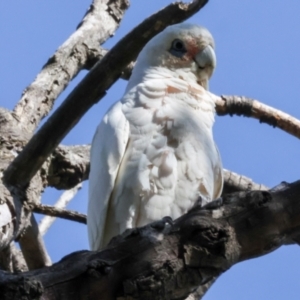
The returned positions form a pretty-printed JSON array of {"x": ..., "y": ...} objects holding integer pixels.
[
  {"x": 33, "y": 246},
  {"x": 59, "y": 213},
  {"x": 69, "y": 165},
  {"x": 12, "y": 259},
  {"x": 234, "y": 182},
  {"x": 100, "y": 22},
  {"x": 243, "y": 106},
  {"x": 170, "y": 259},
  {"x": 62, "y": 202}
]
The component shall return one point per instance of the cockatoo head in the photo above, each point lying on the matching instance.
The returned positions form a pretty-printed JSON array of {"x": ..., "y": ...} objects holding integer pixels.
[{"x": 185, "y": 49}]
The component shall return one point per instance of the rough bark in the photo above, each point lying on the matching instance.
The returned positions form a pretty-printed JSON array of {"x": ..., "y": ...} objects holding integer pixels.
[
  {"x": 99, "y": 23},
  {"x": 16, "y": 127},
  {"x": 69, "y": 165},
  {"x": 170, "y": 259}
]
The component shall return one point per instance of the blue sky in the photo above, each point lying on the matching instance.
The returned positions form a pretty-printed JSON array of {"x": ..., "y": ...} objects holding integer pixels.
[{"x": 257, "y": 47}]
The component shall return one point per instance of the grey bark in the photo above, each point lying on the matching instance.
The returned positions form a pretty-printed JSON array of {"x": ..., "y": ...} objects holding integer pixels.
[{"x": 16, "y": 127}]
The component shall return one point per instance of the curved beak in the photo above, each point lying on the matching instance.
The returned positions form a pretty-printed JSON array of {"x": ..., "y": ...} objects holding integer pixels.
[
  {"x": 206, "y": 61},
  {"x": 206, "y": 58}
]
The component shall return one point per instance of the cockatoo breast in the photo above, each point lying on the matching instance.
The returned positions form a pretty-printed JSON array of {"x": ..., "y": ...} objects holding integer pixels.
[{"x": 169, "y": 161}]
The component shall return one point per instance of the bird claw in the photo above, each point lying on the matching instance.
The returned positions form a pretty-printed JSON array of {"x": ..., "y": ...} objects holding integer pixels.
[
  {"x": 217, "y": 203},
  {"x": 162, "y": 224}
]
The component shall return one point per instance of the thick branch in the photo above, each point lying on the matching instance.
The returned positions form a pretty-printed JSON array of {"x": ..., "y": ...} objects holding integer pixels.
[
  {"x": 170, "y": 259},
  {"x": 90, "y": 90},
  {"x": 100, "y": 22},
  {"x": 69, "y": 166},
  {"x": 33, "y": 246},
  {"x": 12, "y": 259},
  {"x": 243, "y": 106}
]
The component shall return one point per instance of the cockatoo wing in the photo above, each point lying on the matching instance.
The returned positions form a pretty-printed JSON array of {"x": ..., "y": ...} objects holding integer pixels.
[
  {"x": 108, "y": 147},
  {"x": 218, "y": 176}
]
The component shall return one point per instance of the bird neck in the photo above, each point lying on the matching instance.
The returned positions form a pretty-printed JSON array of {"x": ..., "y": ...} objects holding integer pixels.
[{"x": 145, "y": 73}]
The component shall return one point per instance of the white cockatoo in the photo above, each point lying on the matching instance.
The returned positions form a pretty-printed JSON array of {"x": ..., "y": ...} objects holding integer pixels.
[{"x": 153, "y": 154}]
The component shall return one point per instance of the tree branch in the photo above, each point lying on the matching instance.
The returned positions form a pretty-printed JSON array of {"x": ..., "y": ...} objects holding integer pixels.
[
  {"x": 170, "y": 259},
  {"x": 91, "y": 90},
  {"x": 59, "y": 212},
  {"x": 33, "y": 246},
  {"x": 61, "y": 203},
  {"x": 234, "y": 182},
  {"x": 100, "y": 22},
  {"x": 12, "y": 260},
  {"x": 243, "y": 106},
  {"x": 69, "y": 165}
]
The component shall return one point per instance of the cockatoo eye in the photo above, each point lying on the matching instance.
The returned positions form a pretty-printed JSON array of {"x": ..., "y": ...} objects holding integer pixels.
[{"x": 177, "y": 48}]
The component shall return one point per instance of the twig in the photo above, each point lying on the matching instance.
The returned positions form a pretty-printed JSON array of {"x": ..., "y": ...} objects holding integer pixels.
[
  {"x": 243, "y": 106},
  {"x": 60, "y": 213},
  {"x": 62, "y": 202},
  {"x": 109, "y": 69}
]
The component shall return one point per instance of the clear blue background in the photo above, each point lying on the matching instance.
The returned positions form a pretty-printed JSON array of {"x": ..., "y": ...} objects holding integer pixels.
[{"x": 257, "y": 46}]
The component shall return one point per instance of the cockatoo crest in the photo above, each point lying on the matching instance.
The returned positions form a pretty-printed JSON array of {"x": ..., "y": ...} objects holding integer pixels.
[{"x": 153, "y": 154}]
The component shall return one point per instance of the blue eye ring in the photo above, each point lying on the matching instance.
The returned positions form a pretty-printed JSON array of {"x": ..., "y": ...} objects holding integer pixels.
[{"x": 178, "y": 48}]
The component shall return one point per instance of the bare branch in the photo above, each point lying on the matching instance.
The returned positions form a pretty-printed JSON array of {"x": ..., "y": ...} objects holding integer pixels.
[
  {"x": 12, "y": 260},
  {"x": 99, "y": 23},
  {"x": 59, "y": 212},
  {"x": 69, "y": 166},
  {"x": 234, "y": 182},
  {"x": 62, "y": 202},
  {"x": 239, "y": 105},
  {"x": 126, "y": 73},
  {"x": 33, "y": 247},
  {"x": 91, "y": 90}
]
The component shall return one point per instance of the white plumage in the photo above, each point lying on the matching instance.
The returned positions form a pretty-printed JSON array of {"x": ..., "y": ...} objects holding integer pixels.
[{"x": 153, "y": 154}]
